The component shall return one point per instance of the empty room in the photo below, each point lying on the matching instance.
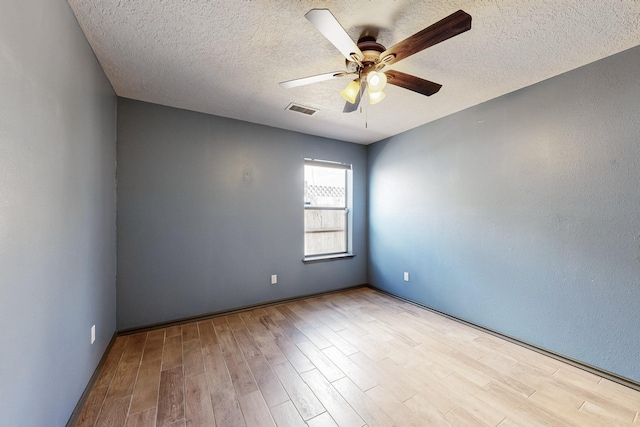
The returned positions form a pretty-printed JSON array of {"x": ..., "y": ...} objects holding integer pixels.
[{"x": 322, "y": 213}]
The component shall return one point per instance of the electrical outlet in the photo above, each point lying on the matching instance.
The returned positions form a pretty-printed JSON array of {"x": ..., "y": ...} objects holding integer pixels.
[
  {"x": 406, "y": 276},
  {"x": 274, "y": 279},
  {"x": 93, "y": 334}
]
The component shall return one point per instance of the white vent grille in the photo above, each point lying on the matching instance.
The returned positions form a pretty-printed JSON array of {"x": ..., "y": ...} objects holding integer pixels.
[{"x": 302, "y": 109}]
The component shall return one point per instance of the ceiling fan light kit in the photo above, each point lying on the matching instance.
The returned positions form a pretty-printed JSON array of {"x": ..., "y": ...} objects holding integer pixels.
[
  {"x": 376, "y": 81},
  {"x": 367, "y": 58},
  {"x": 350, "y": 93},
  {"x": 353, "y": 89},
  {"x": 375, "y": 97}
]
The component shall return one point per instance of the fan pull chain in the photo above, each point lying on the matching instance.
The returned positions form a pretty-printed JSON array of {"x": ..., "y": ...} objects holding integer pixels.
[
  {"x": 366, "y": 114},
  {"x": 366, "y": 118}
]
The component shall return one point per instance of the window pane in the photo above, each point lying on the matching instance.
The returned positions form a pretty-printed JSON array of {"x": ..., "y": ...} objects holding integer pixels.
[
  {"x": 324, "y": 187},
  {"x": 325, "y": 231}
]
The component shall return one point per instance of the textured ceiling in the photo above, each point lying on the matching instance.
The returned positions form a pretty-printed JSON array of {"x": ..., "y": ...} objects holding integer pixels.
[{"x": 227, "y": 57}]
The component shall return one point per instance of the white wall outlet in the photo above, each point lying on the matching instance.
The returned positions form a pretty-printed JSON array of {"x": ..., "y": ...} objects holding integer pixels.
[
  {"x": 406, "y": 276},
  {"x": 274, "y": 279},
  {"x": 93, "y": 334}
]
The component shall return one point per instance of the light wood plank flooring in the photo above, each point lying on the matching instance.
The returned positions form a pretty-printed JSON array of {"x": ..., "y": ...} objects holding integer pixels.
[{"x": 348, "y": 359}]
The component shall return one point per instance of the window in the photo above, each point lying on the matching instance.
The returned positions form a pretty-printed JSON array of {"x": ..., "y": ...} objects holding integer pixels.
[{"x": 327, "y": 202}]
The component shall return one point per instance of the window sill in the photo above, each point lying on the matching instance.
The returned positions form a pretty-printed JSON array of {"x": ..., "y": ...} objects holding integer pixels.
[{"x": 321, "y": 258}]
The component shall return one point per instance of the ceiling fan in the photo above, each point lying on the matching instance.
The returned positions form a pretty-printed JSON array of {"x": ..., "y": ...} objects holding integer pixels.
[{"x": 367, "y": 58}]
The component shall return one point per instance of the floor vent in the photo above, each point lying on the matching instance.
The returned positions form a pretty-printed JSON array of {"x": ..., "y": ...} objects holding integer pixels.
[{"x": 302, "y": 109}]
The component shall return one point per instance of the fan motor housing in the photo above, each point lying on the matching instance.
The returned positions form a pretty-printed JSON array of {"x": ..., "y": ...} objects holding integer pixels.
[{"x": 371, "y": 51}]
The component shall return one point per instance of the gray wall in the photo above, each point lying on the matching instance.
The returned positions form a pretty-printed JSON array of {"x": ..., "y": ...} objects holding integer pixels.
[
  {"x": 194, "y": 237},
  {"x": 57, "y": 212},
  {"x": 522, "y": 214}
]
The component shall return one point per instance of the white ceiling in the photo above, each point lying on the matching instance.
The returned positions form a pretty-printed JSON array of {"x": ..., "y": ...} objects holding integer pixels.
[{"x": 226, "y": 57}]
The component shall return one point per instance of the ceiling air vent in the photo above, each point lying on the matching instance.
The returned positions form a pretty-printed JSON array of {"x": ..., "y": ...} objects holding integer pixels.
[{"x": 302, "y": 109}]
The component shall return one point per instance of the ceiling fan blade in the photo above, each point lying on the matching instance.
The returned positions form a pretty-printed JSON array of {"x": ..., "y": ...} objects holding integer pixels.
[
  {"x": 451, "y": 26},
  {"x": 328, "y": 25},
  {"x": 416, "y": 84},
  {"x": 312, "y": 79},
  {"x": 349, "y": 107}
]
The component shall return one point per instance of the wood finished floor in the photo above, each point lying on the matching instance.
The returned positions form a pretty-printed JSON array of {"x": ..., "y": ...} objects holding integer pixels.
[{"x": 349, "y": 359}]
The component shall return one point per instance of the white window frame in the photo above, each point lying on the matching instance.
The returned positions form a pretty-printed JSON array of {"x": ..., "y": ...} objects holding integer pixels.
[{"x": 348, "y": 168}]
